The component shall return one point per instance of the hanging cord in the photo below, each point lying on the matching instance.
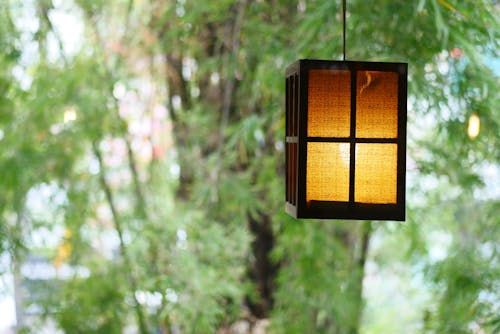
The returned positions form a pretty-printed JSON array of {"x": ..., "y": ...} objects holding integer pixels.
[{"x": 344, "y": 5}]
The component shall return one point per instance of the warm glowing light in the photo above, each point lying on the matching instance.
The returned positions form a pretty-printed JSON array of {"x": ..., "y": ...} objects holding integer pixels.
[
  {"x": 377, "y": 104},
  {"x": 327, "y": 174},
  {"x": 69, "y": 115},
  {"x": 375, "y": 179},
  {"x": 345, "y": 149},
  {"x": 474, "y": 126},
  {"x": 329, "y": 103}
]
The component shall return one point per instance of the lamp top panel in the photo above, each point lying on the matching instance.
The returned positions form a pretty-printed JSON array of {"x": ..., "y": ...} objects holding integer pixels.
[{"x": 308, "y": 64}]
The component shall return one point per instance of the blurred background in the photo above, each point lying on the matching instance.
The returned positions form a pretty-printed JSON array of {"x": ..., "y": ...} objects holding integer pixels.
[{"x": 142, "y": 170}]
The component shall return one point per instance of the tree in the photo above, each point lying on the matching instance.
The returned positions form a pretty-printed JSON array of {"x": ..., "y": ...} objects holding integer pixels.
[{"x": 162, "y": 138}]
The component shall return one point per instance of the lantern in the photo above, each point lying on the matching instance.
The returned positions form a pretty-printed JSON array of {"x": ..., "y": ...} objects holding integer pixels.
[{"x": 346, "y": 139}]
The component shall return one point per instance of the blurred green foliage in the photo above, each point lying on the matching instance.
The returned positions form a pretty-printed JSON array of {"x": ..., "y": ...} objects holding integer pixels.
[{"x": 143, "y": 142}]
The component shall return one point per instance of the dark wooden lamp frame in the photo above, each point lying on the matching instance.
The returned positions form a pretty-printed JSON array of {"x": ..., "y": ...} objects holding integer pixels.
[{"x": 296, "y": 141}]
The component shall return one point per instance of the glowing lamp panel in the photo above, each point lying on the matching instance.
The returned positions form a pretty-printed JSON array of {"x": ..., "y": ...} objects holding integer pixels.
[
  {"x": 376, "y": 104},
  {"x": 329, "y": 101},
  {"x": 327, "y": 172},
  {"x": 376, "y": 173}
]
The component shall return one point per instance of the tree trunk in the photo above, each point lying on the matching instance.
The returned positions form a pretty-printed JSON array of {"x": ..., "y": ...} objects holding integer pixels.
[
  {"x": 261, "y": 269},
  {"x": 358, "y": 276}
]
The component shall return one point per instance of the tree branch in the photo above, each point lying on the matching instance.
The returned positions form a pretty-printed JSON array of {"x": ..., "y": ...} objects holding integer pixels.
[
  {"x": 140, "y": 203},
  {"x": 44, "y": 11},
  {"x": 228, "y": 90},
  {"x": 123, "y": 248}
]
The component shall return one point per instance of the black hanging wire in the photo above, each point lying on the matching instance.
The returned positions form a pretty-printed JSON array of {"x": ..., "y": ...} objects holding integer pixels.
[{"x": 344, "y": 5}]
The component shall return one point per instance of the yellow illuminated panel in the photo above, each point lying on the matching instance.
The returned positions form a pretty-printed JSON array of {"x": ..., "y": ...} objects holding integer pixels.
[
  {"x": 376, "y": 104},
  {"x": 329, "y": 103},
  {"x": 327, "y": 177},
  {"x": 375, "y": 179}
]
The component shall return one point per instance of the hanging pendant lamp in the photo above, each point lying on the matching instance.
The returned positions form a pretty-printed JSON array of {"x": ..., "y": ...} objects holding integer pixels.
[{"x": 346, "y": 139}]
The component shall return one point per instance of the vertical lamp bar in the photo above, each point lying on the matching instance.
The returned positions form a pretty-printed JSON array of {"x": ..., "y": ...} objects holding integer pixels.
[{"x": 352, "y": 151}]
